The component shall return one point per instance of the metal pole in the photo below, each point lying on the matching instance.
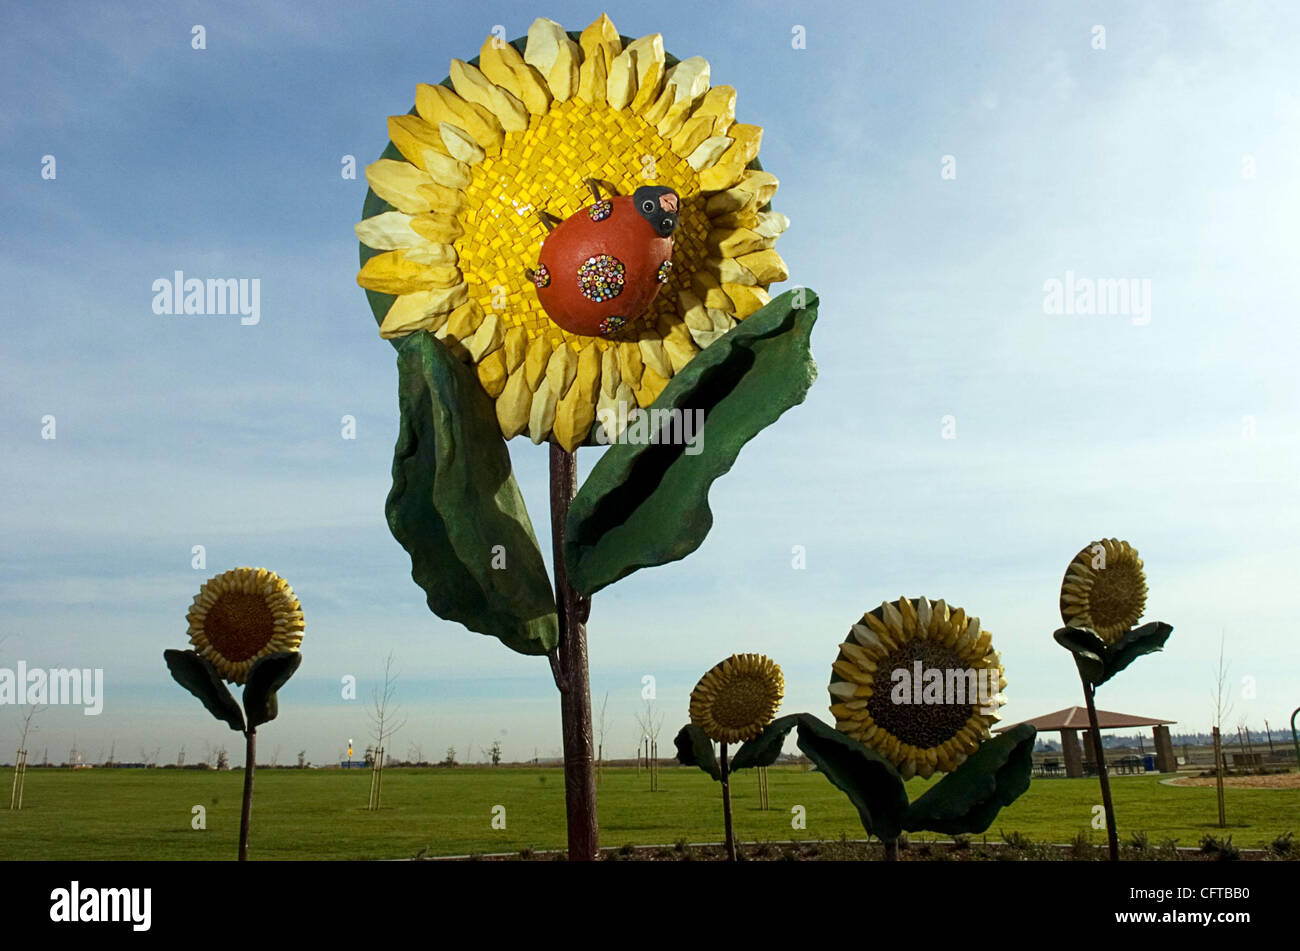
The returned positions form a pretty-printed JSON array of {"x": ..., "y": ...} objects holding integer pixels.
[{"x": 1295, "y": 737}]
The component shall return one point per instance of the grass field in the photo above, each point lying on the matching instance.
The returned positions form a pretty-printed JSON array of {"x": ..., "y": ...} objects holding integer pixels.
[{"x": 320, "y": 814}]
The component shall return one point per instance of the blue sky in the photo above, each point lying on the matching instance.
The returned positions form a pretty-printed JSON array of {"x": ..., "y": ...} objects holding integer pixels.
[{"x": 1179, "y": 434}]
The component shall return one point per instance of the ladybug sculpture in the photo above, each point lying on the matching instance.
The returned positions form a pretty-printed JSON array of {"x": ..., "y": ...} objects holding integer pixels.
[{"x": 600, "y": 268}]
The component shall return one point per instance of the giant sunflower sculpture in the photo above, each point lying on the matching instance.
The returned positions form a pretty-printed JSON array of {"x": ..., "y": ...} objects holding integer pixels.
[
  {"x": 241, "y": 616},
  {"x": 570, "y": 238},
  {"x": 883, "y": 699},
  {"x": 1104, "y": 589},
  {"x": 452, "y": 238}
]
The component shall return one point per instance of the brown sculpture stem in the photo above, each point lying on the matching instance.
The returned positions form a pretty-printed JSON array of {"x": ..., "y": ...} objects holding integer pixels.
[
  {"x": 569, "y": 668},
  {"x": 726, "y": 804},
  {"x": 1112, "y": 840},
  {"x": 246, "y": 812}
]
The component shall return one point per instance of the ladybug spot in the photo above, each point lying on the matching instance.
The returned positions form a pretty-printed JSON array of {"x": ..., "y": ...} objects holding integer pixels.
[
  {"x": 601, "y": 210},
  {"x": 601, "y": 278},
  {"x": 612, "y": 325},
  {"x": 540, "y": 276},
  {"x": 664, "y": 270}
]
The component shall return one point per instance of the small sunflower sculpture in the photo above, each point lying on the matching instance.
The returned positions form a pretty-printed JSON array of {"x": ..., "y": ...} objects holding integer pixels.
[
  {"x": 1103, "y": 597},
  {"x": 1104, "y": 589},
  {"x": 246, "y": 628},
  {"x": 918, "y": 682},
  {"x": 241, "y": 616},
  {"x": 516, "y": 137},
  {"x": 737, "y": 698},
  {"x": 734, "y": 702}
]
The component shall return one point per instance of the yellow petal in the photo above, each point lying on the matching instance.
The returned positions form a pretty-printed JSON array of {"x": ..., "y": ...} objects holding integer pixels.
[
  {"x": 541, "y": 416},
  {"x": 513, "y": 405},
  {"x": 721, "y": 176},
  {"x": 393, "y": 273},
  {"x": 561, "y": 369},
  {"x": 678, "y": 344},
  {"x": 553, "y": 55},
  {"x": 746, "y": 139},
  {"x": 766, "y": 266},
  {"x": 496, "y": 60},
  {"x": 609, "y": 375},
  {"x": 516, "y": 346},
  {"x": 487, "y": 339},
  {"x": 460, "y": 144},
  {"x": 654, "y": 357},
  {"x": 398, "y": 183},
  {"x": 708, "y": 152},
  {"x": 440, "y": 198},
  {"x": 648, "y": 57},
  {"x": 414, "y": 138},
  {"x": 692, "y": 134},
  {"x": 427, "y": 310},
  {"x": 438, "y": 229},
  {"x": 652, "y": 384},
  {"x": 736, "y": 242},
  {"x": 539, "y": 354},
  {"x": 683, "y": 87},
  {"x": 473, "y": 86},
  {"x": 577, "y": 410},
  {"x": 492, "y": 373},
  {"x": 630, "y": 364},
  {"x": 437, "y": 104},
  {"x": 446, "y": 170},
  {"x": 747, "y": 299},
  {"x": 600, "y": 45},
  {"x": 388, "y": 232}
]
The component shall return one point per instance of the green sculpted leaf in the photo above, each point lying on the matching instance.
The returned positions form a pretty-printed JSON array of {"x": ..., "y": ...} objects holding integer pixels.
[
  {"x": 265, "y": 679},
  {"x": 764, "y": 749},
  {"x": 1100, "y": 661},
  {"x": 1141, "y": 640},
  {"x": 967, "y": 800},
  {"x": 871, "y": 782},
  {"x": 199, "y": 677},
  {"x": 696, "y": 749},
  {"x": 1088, "y": 649},
  {"x": 647, "y": 504},
  {"x": 456, "y": 508}
]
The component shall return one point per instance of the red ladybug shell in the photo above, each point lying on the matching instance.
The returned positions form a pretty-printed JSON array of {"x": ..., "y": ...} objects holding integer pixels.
[{"x": 601, "y": 268}]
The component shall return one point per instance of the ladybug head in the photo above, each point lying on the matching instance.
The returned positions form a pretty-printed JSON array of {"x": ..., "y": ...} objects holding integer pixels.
[{"x": 657, "y": 204}]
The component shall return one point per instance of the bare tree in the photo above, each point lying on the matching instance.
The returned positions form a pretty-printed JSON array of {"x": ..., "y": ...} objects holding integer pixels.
[
  {"x": 20, "y": 761},
  {"x": 384, "y": 722},
  {"x": 384, "y": 712},
  {"x": 493, "y": 753},
  {"x": 651, "y": 723},
  {"x": 600, "y": 737},
  {"x": 1222, "y": 709}
]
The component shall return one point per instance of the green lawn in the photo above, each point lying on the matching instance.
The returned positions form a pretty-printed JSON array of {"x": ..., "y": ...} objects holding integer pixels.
[{"x": 319, "y": 814}]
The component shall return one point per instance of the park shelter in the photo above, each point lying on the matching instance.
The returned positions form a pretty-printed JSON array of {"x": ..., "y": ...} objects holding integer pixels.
[{"x": 1070, "y": 721}]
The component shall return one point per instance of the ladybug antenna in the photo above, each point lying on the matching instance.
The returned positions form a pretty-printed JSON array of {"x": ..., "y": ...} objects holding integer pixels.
[
  {"x": 548, "y": 219},
  {"x": 595, "y": 188}
]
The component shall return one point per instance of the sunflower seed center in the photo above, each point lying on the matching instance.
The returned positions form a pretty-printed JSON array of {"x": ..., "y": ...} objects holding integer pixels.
[
  {"x": 923, "y": 725},
  {"x": 239, "y": 625}
]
